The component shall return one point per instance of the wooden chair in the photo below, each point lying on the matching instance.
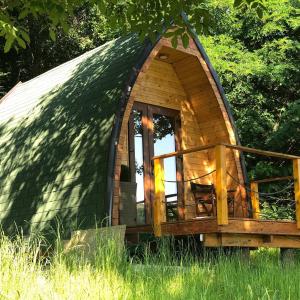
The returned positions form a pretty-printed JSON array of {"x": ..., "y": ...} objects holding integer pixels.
[{"x": 205, "y": 197}]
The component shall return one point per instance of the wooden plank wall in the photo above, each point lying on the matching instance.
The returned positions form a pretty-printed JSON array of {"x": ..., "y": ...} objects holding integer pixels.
[
  {"x": 160, "y": 86},
  {"x": 183, "y": 85},
  {"x": 212, "y": 117}
]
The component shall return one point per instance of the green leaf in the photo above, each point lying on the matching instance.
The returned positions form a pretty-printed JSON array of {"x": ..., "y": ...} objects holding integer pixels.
[
  {"x": 174, "y": 41},
  {"x": 65, "y": 26},
  {"x": 237, "y": 3},
  {"x": 8, "y": 43},
  {"x": 52, "y": 34},
  {"x": 25, "y": 36},
  {"x": 169, "y": 34},
  {"x": 180, "y": 31},
  {"x": 152, "y": 37},
  {"x": 260, "y": 12},
  {"x": 185, "y": 40},
  {"x": 21, "y": 43},
  {"x": 254, "y": 5},
  {"x": 23, "y": 14}
]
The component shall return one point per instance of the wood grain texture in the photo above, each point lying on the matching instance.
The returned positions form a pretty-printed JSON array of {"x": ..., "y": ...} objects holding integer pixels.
[
  {"x": 255, "y": 200},
  {"x": 296, "y": 171},
  {"x": 159, "y": 213},
  {"x": 263, "y": 152},
  {"x": 184, "y": 83},
  {"x": 235, "y": 225},
  {"x": 240, "y": 232},
  {"x": 221, "y": 185},
  {"x": 272, "y": 179},
  {"x": 253, "y": 241}
]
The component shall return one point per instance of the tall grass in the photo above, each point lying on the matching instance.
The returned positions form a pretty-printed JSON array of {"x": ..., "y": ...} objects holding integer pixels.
[{"x": 112, "y": 274}]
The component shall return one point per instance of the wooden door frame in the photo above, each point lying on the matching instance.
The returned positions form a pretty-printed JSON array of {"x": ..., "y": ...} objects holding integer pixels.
[
  {"x": 148, "y": 147},
  {"x": 153, "y": 109},
  {"x": 146, "y": 157}
]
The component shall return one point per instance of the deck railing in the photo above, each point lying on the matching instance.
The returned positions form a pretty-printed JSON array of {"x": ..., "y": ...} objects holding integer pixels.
[
  {"x": 254, "y": 192},
  {"x": 159, "y": 215}
]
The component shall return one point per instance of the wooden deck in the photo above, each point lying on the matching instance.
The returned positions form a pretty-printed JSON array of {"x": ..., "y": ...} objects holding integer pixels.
[
  {"x": 223, "y": 230},
  {"x": 237, "y": 233}
]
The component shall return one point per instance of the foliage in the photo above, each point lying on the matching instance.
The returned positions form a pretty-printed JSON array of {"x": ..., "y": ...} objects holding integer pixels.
[
  {"x": 13, "y": 12},
  {"x": 257, "y": 60},
  {"x": 287, "y": 133},
  {"x": 88, "y": 29},
  {"x": 146, "y": 17},
  {"x": 162, "y": 126},
  {"x": 277, "y": 212}
]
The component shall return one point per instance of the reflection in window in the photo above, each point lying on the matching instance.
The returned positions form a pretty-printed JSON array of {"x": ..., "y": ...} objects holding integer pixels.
[
  {"x": 164, "y": 142},
  {"x": 139, "y": 165}
]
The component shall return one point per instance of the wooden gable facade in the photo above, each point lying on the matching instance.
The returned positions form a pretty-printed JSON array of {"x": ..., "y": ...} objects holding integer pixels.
[{"x": 181, "y": 79}]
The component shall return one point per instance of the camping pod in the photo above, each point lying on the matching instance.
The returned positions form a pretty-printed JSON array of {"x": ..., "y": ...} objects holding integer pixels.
[{"x": 77, "y": 142}]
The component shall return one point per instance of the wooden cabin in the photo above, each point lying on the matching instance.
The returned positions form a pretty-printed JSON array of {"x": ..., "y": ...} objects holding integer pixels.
[{"x": 138, "y": 134}]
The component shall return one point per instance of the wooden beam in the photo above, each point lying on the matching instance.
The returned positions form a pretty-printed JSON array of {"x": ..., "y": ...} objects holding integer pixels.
[
  {"x": 221, "y": 185},
  {"x": 236, "y": 147},
  {"x": 250, "y": 240},
  {"x": 159, "y": 214},
  {"x": 235, "y": 225},
  {"x": 190, "y": 227},
  {"x": 273, "y": 179},
  {"x": 253, "y": 226},
  {"x": 255, "y": 199},
  {"x": 268, "y": 238},
  {"x": 191, "y": 150},
  {"x": 139, "y": 229},
  {"x": 296, "y": 171},
  {"x": 262, "y": 152}
]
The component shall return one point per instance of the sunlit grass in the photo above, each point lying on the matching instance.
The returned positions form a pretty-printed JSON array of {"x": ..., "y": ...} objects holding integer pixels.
[{"x": 112, "y": 274}]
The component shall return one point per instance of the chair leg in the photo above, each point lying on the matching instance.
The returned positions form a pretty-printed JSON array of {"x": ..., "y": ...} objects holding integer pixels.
[{"x": 214, "y": 207}]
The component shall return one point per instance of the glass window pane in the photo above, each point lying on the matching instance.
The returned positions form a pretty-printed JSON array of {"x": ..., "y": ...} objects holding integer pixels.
[
  {"x": 164, "y": 142},
  {"x": 139, "y": 165}
]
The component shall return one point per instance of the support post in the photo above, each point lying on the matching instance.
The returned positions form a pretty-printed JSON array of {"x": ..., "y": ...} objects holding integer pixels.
[
  {"x": 255, "y": 199},
  {"x": 221, "y": 185},
  {"x": 296, "y": 171},
  {"x": 159, "y": 196}
]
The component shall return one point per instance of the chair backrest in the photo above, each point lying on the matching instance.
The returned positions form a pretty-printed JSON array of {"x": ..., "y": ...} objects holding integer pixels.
[
  {"x": 202, "y": 188},
  {"x": 204, "y": 196}
]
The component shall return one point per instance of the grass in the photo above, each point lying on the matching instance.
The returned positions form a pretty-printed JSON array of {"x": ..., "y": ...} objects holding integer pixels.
[{"x": 111, "y": 274}]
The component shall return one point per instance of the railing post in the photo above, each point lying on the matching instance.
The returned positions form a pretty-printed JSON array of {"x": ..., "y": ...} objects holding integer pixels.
[
  {"x": 296, "y": 171},
  {"x": 159, "y": 196},
  {"x": 221, "y": 185},
  {"x": 255, "y": 199}
]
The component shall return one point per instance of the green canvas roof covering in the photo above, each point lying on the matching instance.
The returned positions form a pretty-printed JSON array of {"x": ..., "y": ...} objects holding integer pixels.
[{"x": 55, "y": 138}]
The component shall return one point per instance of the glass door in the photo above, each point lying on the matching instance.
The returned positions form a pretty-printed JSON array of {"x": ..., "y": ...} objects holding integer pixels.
[{"x": 154, "y": 131}]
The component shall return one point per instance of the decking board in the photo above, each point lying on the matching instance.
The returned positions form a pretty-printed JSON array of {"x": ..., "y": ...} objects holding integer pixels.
[{"x": 240, "y": 232}]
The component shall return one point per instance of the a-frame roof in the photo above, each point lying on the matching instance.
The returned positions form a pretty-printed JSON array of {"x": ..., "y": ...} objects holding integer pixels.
[{"x": 55, "y": 133}]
